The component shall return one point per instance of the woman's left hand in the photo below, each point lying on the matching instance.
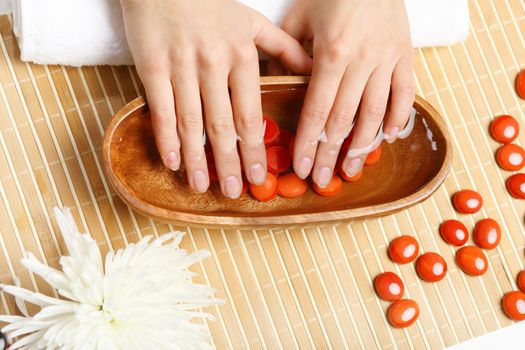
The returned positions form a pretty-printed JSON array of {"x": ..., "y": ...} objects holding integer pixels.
[{"x": 362, "y": 52}]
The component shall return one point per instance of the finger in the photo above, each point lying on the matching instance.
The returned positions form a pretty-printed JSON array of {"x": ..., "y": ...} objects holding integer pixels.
[
  {"x": 339, "y": 122},
  {"x": 277, "y": 43},
  {"x": 317, "y": 105},
  {"x": 293, "y": 26},
  {"x": 221, "y": 131},
  {"x": 275, "y": 67},
  {"x": 247, "y": 111},
  {"x": 190, "y": 127},
  {"x": 402, "y": 98},
  {"x": 371, "y": 114},
  {"x": 159, "y": 93}
]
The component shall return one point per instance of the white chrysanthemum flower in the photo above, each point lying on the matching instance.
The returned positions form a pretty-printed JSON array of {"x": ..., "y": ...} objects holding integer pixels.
[{"x": 143, "y": 298}]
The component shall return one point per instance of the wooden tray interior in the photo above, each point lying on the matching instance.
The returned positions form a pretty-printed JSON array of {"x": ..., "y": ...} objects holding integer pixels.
[{"x": 406, "y": 166}]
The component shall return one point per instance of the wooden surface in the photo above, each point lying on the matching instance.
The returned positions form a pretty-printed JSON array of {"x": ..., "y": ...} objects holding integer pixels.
[
  {"x": 299, "y": 288},
  {"x": 134, "y": 168}
]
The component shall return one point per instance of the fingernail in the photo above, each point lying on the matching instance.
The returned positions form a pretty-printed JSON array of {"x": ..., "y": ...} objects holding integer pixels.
[
  {"x": 257, "y": 174},
  {"x": 304, "y": 167},
  {"x": 199, "y": 181},
  {"x": 353, "y": 167},
  {"x": 232, "y": 188},
  {"x": 324, "y": 176},
  {"x": 172, "y": 161},
  {"x": 392, "y": 134}
]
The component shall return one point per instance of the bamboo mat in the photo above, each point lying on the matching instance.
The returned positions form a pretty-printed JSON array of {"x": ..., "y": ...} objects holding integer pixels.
[{"x": 300, "y": 288}]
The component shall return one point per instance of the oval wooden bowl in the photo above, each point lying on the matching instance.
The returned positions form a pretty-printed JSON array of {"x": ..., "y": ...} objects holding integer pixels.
[{"x": 409, "y": 171}]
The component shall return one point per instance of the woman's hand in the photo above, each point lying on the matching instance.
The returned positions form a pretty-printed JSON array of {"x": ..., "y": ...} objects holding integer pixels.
[
  {"x": 188, "y": 53},
  {"x": 362, "y": 51}
]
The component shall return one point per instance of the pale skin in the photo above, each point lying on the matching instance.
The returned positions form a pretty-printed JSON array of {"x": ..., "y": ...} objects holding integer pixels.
[{"x": 199, "y": 65}]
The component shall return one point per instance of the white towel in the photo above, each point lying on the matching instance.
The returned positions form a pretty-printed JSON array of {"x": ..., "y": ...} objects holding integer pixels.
[{"x": 91, "y": 32}]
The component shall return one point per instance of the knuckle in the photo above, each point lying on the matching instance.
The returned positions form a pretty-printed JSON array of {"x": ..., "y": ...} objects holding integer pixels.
[
  {"x": 335, "y": 48},
  {"x": 366, "y": 55},
  {"x": 407, "y": 90},
  {"x": 318, "y": 112},
  {"x": 190, "y": 122},
  {"x": 161, "y": 117},
  {"x": 343, "y": 118},
  {"x": 164, "y": 136},
  {"x": 375, "y": 109},
  {"x": 221, "y": 126},
  {"x": 252, "y": 147},
  {"x": 328, "y": 153},
  {"x": 211, "y": 56},
  {"x": 226, "y": 157},
  {"x": 244, "y": 53},
  {"x": 152, "y": 67},
  {"x": 167, "y": 139},
  {"x": 250, "y": 121},
  {"x": 181, "y": 57},
  {"x": 227, "y": 160},
  {"x": 192, "y": 156}
]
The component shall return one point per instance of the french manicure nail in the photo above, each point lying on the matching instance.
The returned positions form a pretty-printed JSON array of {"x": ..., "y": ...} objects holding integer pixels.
[
  {"x": 354, "y": 166},
  {"x": 324, "y": 176},
  {"x": 199, "y": 181},
  {"x": 304, "y": 167},
  {"x": 257, "y": 173},
  {"x": 392, "y": 134},
  {"x": 172, "y": 161},
  {"x": 232, "y": 188}
]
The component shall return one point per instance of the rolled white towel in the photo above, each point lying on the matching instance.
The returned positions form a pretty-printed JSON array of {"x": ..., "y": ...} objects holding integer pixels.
[
  {"x": 91, "y": 32},
  {"x": 71, "y": 32}
]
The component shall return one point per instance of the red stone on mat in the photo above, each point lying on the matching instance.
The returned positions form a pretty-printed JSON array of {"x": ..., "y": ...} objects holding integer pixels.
[
  {"x": 389, "y": 286},
  {"x": 467, "y": 201},
  {"x": 516, "y": 185},
  {"x": 487, "y": 234},
  {"x": 431, "y": 267},
  {"x": 403, "y": 249},
  {"x": 513, "y": 304},
  {"x": 504, "y": 128},
  {"x": 403, "y": 313},
  {"x": 520, "y": 84},
  {"x": 453, "y": 232},
  {"x": 510, "y": 157},
  {"x": 472, "y": 260}
]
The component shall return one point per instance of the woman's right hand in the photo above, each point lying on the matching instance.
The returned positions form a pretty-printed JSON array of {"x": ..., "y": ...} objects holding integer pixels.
[{"x": 187, "y": 54}]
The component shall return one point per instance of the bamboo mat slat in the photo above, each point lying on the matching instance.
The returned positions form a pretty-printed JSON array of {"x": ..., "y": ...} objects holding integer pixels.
[{"x": 286, "y": 288}]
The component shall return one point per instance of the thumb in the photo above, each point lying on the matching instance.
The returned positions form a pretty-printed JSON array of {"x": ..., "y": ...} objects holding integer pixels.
[
  {"x": 274, "y": 67},
  {"x": 279, "y": 44}
]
